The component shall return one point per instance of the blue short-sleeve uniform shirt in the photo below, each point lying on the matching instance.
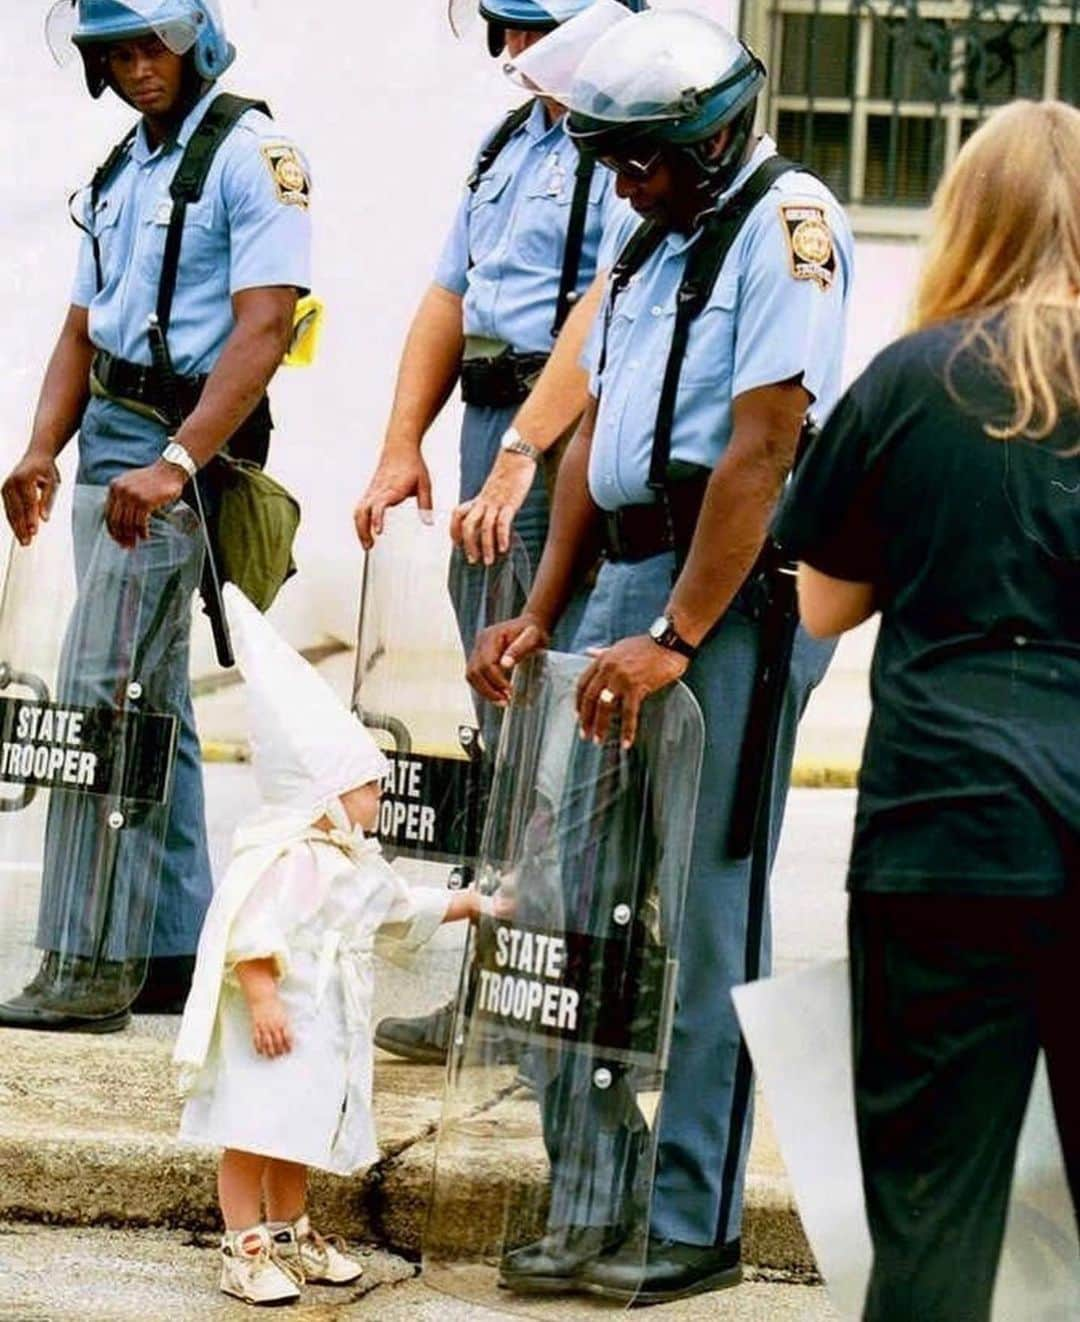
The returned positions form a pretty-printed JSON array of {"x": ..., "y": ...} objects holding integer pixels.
[
  {"x": 504, "y": 252},
  {"x": 250, "y": 229},
  {"x": 777, "y": 312}
]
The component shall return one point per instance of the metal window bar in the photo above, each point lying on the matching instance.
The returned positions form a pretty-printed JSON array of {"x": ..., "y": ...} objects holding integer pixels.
[{"x": 946, "y": 61}]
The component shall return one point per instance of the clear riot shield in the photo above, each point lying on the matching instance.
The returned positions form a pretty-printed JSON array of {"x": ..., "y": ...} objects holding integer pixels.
[
  {"x": 93, "y": 669},
  {"x": 798, "y": 1029},
  {"x": 421, "y": 608},
  {"x": 550, "y": 1146}
]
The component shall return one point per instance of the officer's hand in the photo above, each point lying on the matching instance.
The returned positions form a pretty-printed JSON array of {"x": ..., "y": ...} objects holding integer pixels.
[
  {"x": 29, "y": 493},
  {"x": 497, "y": 651},
  {"x": 482, "y": 526},
  {"x": 628, "y": 672},
  {"x": 136, "y": 495},
  {"x": 396, "y": 479}
]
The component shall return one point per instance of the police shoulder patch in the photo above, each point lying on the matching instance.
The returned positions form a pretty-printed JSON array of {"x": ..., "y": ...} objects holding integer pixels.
[
  {"x": 288, "y": 173},
  {"x": 810, "y": 243}
]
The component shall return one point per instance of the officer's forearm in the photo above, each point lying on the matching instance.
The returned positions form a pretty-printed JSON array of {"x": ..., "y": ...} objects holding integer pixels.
[
  {"x": 739, "y": 503},
  {"x": 429, "y": 369},
  {"x": 573, "y": 540},
  {"x": 562, "y": 390},
  {"x": 66, "y": 388},
  {"x": 251, "y": 356}
]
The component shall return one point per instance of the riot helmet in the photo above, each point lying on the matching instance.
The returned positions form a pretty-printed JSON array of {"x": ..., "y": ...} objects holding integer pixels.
[
  {"x": 672, "y": 80},
  {"x": 193, "y": 28},
  {"x": 524, "y": 15}
]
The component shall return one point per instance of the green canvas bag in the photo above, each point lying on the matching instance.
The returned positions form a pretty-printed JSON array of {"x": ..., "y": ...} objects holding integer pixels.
[{"x": 254, "y": 529}]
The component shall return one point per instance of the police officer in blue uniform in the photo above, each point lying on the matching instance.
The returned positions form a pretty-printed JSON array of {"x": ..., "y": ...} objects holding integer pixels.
[
  {"x": 675, "y": 469},
  {"x": 244, "y": 255},
  {"x": 518, "y": 272}
]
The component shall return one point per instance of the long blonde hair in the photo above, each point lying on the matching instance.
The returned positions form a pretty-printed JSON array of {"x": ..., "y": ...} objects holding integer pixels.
[{"x": 1005, "y": 248}]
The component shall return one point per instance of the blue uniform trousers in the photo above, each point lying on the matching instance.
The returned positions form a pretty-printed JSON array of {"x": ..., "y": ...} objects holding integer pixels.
[
  {"x": 112, "y": 441},
  {"x": 705, "y": 1119}
]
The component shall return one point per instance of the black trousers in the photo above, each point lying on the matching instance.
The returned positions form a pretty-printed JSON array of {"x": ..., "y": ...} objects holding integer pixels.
[{"x": 952, "y": 999}]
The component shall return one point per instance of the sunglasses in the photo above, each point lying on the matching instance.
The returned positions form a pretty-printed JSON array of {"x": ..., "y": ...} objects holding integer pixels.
[{"x": 632, "y": 165}]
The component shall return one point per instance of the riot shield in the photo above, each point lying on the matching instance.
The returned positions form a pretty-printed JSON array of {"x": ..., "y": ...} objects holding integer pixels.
[
  {"x": 798, "y": 1029},
  {"x": 421, "y": 608},
  {"x": 549, "y": 1129},
  {"x": 93, "y": 668}
]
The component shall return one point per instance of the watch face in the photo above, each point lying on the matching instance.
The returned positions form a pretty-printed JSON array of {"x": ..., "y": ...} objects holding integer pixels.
[{"x": 659, "y": 628}]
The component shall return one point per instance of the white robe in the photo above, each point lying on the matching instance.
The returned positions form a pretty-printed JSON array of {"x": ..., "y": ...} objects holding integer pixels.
[{"x": 316, "y": 903}]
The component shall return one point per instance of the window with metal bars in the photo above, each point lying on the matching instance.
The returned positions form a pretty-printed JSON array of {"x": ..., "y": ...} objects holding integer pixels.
[{"x": 877, "y": 96}]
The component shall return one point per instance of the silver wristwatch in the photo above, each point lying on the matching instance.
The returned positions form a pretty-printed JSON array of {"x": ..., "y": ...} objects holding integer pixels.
[
  {"x": 174, "y": 453},
  {"x": 514, "y": 443}
]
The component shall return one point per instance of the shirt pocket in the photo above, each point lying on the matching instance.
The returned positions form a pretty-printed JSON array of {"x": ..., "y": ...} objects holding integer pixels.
[
  {"x": 201, "y": 249},
  {"x": 104, "y": 226},
  {"x": 486, "y": 215},
  {"x": 545, "y": 220},
  {"x": 710, "y": 347}
]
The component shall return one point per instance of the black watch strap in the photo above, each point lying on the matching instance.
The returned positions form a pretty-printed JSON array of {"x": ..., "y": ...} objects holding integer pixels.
[{"x": 663, "y": 632}]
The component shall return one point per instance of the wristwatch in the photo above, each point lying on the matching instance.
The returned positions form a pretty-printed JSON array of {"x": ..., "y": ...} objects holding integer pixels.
[
  {"x": 174, "y": 453},
  {"x": 663, "y": 632},
  {"x": 514, "y": 443}
]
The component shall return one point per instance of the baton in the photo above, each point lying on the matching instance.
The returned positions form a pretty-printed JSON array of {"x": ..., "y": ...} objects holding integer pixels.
[{"x": 174, "y": 417}]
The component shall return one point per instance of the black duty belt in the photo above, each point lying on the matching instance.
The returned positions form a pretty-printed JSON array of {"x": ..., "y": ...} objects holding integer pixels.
[
  {"x": 636, "y": 532},
  {"x": 500, "y": 382},
  {"x": 141, "y": 383}
]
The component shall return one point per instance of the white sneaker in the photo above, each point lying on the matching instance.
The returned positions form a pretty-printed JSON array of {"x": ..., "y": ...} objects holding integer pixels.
[
  {"x": 252, "y": 1271},
  {"x": 323, "y": 1261}
]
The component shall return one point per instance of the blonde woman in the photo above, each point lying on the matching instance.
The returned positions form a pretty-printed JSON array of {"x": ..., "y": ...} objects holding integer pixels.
[{"x": 945, "y": 493}]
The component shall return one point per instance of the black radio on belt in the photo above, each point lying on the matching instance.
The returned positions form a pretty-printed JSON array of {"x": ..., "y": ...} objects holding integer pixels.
[{"x": 501, "y": 382}]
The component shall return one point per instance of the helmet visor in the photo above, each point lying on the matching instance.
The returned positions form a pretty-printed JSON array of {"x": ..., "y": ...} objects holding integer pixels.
[
  {"x": 178, "y": 34},
  {"x": 462, "y": 15},
  {"x": 59, "y": 29},
  {"x": 666, "y": 66},
  {"x": 550, "y": 64}
]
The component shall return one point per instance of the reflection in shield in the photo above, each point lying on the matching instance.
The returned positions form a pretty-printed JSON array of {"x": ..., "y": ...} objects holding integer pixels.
[
  {"x": 93, "y": 669},
  {"x": 571, "y": 978},
  {"x": 421, "y": 608}
]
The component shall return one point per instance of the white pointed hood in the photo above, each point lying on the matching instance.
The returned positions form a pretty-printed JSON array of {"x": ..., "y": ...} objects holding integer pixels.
[{"x": 306, "y": 748}]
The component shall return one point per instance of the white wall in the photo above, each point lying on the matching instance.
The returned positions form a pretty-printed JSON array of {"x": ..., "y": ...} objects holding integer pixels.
[{"x": 389, "y": 108}]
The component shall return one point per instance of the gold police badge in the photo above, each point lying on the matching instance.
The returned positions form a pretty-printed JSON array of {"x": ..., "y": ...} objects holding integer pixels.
[
  {"x": 288, "y": 173},
  {"x": 810, "y": 244}
]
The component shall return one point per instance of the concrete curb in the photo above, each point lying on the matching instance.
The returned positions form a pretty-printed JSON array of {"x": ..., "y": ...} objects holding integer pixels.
[{"x": 87, "y": 1138}]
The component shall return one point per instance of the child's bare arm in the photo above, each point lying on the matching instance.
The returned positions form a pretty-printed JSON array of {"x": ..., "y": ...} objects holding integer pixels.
[
  {"x": 270, "y": 1032},
  {"x": 472, "y": 905}
]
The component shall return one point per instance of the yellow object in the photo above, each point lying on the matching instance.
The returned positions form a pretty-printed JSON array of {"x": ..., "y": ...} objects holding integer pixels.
[{"x": 307, "y": 328}]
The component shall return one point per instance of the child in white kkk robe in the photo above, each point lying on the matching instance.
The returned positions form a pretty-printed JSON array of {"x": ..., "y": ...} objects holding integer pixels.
[{"x": 275, "y": 1045}]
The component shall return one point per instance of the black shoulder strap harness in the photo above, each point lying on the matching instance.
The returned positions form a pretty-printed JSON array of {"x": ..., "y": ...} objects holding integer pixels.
[
  {"x": 579, "y": 206},
  {"x": 187, "y": 186},
  {"x": 721, "y": 229}
]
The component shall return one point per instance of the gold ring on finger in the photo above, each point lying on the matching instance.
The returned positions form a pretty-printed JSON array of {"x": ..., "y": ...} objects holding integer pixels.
[{"x": 607, "y": 697}]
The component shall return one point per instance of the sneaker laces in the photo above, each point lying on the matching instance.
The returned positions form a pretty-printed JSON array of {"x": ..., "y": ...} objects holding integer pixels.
[
  {"x": 267, "y": 1256},
  {"x": 321, "y": 1244}
]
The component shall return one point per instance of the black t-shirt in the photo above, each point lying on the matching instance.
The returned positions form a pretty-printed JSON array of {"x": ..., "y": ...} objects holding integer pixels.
[{"x": 971, "y": 773}]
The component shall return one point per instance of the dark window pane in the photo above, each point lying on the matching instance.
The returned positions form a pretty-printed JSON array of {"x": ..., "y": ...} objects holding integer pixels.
[
  {"x": 1069, "y": 79},
  {"x": 1003, "y": 61},
  {"x": 816, "y": 55},
  {"x": 903, "y": 159},
  {"x": 910, "y": 60},
  {"x": 821, "y": 143}
]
